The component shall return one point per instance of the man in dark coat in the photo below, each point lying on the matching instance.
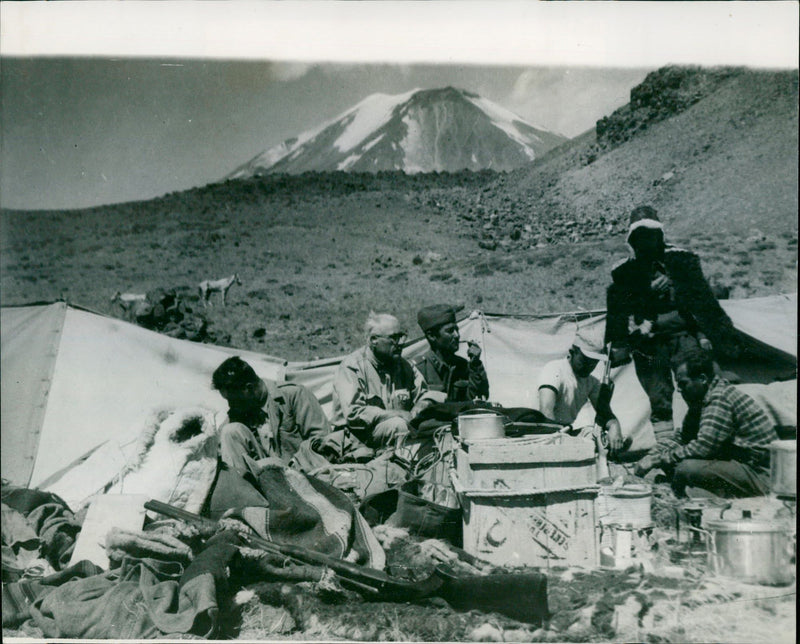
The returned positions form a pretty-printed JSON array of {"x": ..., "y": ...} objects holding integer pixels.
[
  {"x": 460, "y": 379},
  {"x": 660, "y": 306}
]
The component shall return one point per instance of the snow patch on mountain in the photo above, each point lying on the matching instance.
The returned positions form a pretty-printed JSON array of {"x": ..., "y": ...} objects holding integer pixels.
[{"x": 368, "y": 116}]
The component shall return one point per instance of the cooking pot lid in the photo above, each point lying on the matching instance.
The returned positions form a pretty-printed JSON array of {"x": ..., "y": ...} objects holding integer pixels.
[{"x": 744, "y": 525}]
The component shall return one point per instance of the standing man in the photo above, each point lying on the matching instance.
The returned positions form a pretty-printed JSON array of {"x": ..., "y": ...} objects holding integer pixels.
[
  {"x": 723, "y": 446},
  {"x": 566, "y": 384},
  {"x": 660, "y": 305},
  {"x": 264, "y": 419},
  {"x": 460, "y": 379},
  {"x": 375, "y": 389}
]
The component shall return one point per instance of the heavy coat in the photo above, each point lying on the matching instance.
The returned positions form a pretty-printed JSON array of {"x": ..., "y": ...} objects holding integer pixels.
[{"x": 630, "y": 295}]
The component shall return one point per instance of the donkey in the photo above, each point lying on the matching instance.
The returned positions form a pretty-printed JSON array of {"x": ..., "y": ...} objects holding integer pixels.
[{"x": 207, "y": 287}]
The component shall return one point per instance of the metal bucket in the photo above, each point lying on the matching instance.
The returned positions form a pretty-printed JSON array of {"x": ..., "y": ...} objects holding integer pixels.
[
  {"x": 753, "y": 551},
  {"x": 783, "y": 467},
  {"x": 627, "y": 504},
  {"x": 480, "y": 425}
]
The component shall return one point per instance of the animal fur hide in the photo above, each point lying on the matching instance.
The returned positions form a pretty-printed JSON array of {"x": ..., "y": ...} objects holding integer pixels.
[{"x": 176, "y": 459}]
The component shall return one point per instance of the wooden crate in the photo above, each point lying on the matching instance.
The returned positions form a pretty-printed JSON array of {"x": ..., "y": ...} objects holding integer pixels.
[
  {"x": 535, "y": 462},
  {"x": 530, "y": 527}
]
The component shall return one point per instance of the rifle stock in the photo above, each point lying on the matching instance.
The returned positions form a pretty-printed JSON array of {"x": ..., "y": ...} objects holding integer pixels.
[{"x": 521, "y": 596}]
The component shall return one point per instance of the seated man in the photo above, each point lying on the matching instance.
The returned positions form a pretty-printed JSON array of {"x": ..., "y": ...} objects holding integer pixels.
[
  {"x": 442, "y": 369},
  {"x": 264, "y": 419},
  {"x": 566, "y": 384},
  {"x": 723, "y": 445},
  {"x": 375, "y": 388}
]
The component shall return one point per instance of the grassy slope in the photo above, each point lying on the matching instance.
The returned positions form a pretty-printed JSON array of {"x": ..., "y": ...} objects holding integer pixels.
[{"x": 316, "y": 254}]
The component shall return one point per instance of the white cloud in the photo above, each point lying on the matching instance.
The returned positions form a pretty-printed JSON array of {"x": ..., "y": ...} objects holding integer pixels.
[{"x": 289, "y": 71}]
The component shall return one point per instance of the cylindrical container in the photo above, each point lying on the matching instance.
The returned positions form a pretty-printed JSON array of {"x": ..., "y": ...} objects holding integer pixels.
[
  {"x": 480, "y": 425},
  {"x": 753, "y": 551},
  {"x": 783, "y": 467},
  {"x": 623, "y": 545},
  {"x": 627, "y": 504}
]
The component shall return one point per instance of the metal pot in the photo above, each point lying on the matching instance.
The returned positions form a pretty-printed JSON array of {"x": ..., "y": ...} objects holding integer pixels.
[
  {"x": 480, "y": 424},
  {"x": 753, "y": 551},
  {"x": 783, "y": 467}
]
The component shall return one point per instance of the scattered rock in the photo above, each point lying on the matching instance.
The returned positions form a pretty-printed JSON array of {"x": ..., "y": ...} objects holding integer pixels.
[{"x": 486, "y": 633}]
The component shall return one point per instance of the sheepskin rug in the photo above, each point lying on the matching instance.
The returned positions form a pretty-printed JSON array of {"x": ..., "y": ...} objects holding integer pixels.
[{"x": 175, "y": 460}]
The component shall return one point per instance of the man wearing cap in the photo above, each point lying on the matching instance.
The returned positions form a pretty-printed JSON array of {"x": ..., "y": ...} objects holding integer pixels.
[
  {"x": 566, "y": 384},
  {"x": 375, "y": 389},
  {"x": 460, "y": 379},
  {"x": 659, "y": 306}
]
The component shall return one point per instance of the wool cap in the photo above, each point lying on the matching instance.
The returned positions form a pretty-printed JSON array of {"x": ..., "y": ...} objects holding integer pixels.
[
  {"x": 436, "y": 315},
  {"x": 588, "y": 347},
  {"x": 644, "y": 217}
]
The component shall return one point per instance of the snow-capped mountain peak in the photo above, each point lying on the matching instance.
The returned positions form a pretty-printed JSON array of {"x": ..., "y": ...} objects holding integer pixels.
[{"x": 423, "y": 130}]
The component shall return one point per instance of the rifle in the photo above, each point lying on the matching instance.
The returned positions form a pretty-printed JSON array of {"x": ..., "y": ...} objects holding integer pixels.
[
  {"x": 602, "y": 412},
  {"x": 519, "y": 595}
]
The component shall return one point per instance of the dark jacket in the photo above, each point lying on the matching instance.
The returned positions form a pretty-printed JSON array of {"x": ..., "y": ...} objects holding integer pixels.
[
  {"x": 443, "y": 376},
  {"x": 630, "y": 295}
]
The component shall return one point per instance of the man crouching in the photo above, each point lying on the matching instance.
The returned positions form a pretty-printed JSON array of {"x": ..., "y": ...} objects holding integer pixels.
[
  {"x": 723, "y": 444},
  {"x": 264, "y": 419}
]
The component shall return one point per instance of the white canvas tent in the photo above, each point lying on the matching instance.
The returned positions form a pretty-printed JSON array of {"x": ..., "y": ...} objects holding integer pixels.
[{"x": 76, "y": 382}]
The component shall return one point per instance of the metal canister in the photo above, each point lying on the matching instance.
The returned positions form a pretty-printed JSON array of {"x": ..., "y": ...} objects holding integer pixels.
[
  {"x": 751, "y": 550},
  {"x": 783, "y": 468}
]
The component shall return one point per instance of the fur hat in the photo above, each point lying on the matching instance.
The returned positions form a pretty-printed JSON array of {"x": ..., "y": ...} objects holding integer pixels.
[
  {"x": 643, "y": 217},
  {"x": 436, "y": 315}
]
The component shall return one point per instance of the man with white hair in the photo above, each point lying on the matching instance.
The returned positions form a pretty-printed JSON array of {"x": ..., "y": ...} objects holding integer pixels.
[
  {"x": 566, "y": 384},
  {"x": 375, "y": 389}
]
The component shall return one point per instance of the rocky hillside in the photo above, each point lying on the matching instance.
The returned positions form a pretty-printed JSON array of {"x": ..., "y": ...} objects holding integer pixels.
[
  {"x": 715, "y": 151},
  {"x": 711, "y": 149},
  {"x": 433, "y": 130}
]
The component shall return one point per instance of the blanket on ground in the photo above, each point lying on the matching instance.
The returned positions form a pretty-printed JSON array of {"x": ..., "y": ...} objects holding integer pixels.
[
  {"x": 143, "y": 598},
  {"x": 36, "y": 525},
  {"x": 287, "y": 506}
]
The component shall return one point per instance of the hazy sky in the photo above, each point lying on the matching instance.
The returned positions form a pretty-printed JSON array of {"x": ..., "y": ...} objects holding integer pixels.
[
  {"x": 105, "y": 102},
  {"x": 79, "y": 132}
]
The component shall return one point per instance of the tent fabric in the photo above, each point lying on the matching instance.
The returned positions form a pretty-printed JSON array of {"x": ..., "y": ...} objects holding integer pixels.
[
  {"x": 96, "y": 385},
  {"x": 76, "y": 382},
  {"x": 770, "y": 320}
]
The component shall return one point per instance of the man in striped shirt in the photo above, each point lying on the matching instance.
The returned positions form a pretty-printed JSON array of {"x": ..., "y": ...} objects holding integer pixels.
[{"x": 723, "y": 445}]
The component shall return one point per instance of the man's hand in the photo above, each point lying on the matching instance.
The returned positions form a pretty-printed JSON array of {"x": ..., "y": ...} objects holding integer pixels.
[
  {"x": 705, "y": 344},
  {"x": 615, "y": 441},
  {"x": 473, "y": 351},
  {"x": 661, "y": 284},
  {"x": 646, "y": 464},
  {"x": 619, "y": 356}
]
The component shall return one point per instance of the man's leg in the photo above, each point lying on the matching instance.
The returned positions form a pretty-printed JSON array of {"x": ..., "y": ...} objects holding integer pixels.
[
  {"x": 728, "y": 479},
  {"x": 655, "y": 375},
  {"x": 239, "y": 447}
]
